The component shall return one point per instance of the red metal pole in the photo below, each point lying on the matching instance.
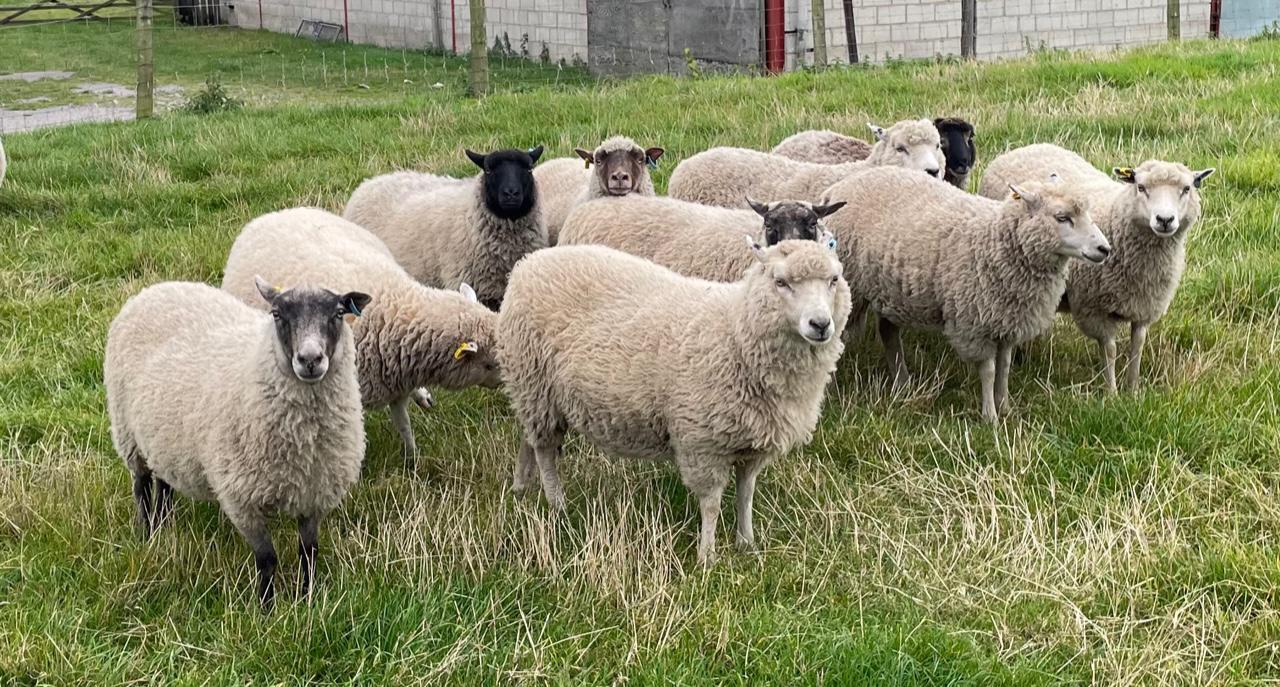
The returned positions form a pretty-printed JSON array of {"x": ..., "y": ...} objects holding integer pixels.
[{"x": 775, "y": 19}]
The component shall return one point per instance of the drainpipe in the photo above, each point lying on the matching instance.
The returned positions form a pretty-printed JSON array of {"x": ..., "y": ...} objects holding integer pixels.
[{"x": 775, "y": 18}]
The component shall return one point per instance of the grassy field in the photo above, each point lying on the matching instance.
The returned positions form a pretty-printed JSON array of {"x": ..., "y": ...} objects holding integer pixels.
[{"x": 1085, "y": 540}]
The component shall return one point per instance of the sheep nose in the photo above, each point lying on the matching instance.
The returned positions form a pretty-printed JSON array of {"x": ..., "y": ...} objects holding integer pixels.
[
  {"x": 820, "y": 325},
  {"x": 1105, "y": 250},
  {"x": 622, "y": 176},
  {"x": 1164, "y": 220},
  {"x": 311, "y": 360},
  {"x": 933, "y": 171}
]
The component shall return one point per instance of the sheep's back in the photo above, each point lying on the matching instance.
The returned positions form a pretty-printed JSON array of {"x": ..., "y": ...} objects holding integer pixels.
[
  {"x": 823, "y": 147},
  {"x": 1036, "y": 163},
  {"x": 561, "y": 183}
]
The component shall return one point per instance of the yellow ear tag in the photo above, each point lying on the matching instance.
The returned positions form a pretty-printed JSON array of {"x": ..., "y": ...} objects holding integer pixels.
[
  {"x": 464, "y": 348},
  {"x": 1017, "y": 196},
  {"x": 588, "y": 163}
]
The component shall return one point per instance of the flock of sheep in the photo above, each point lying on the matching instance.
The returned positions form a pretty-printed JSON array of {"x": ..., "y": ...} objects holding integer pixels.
[{"x": 701, "y": 328}]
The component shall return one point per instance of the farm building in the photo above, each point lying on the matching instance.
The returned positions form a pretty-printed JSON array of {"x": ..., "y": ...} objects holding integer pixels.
[{"x": 637, "y": 36}]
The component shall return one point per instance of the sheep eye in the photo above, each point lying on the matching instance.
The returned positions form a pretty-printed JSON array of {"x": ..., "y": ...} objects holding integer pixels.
[
  {"x": 1142, "y": 189},
  {"x": 1186, "y": 190},
  {"x": 1065, "y": 219},
  {"x": 781, "y": 283},
  {"x": 276, "y": 315},
  {"x": 834, "y": 281},
  {"x": 902, "y": 149}
]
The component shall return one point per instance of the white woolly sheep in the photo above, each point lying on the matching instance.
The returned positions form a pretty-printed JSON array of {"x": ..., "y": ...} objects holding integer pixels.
[
  {"x": 621, "y": 168},
  {"x": 1145, "y": 215},
  {"x": 924, "y": 254},
  {"x": 695, "y": 240},
  {"x": 831, "y": 148},
  {"x": 416, "y": 336},
  {"x": 726, "y": 176},
  {"x": 215, "y": 399},
  {"x": 719, "y": 378},
  {"x": 473, "y": 230},
  {"x": 377, "y": 198}
]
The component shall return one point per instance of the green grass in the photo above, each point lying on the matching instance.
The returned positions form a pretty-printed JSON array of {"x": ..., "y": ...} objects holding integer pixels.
[{"x": 1086, "y": 540}]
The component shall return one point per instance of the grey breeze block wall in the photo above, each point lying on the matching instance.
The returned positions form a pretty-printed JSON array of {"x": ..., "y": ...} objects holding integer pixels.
[{"x": 884, "y": 28}]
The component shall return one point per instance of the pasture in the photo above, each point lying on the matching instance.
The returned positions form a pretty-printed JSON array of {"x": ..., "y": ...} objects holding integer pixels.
[{"x": 1084, "y": 540}]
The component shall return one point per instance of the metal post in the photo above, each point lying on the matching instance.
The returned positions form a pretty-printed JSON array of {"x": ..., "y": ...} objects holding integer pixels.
[
  {"x": 1174, "y": 9},
  {"x": 479, "y": 51},
  {"x": 850, "y": 36},
  {"x": 819, "y": 33},
  {"x": 145, "y": 103},
  {"x": 968, "y": 29}
]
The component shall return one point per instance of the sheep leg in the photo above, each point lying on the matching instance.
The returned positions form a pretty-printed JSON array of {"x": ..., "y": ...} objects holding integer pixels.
[
  {"x": 744, "y": 494},
  {"x": 987, "y": 375},
  {"x": 857, "y": 321},
  {"x": 709, "y": 506},
  {"x": 526, "y": 468},
  {"x": 164, "y": 502},
  {"x": 1004, "y": 358},
  {"x": 254, "y": 531},
  {"x": 422, "y": 396},
  {"x": 400, "y": 418},
  {"x": 142, "y": 497},
  {"x": 308, "y": 546},
  {"x": 1137, "y": 338},
  {"x": 891, "y": 338},
  {"x": 546, "y": 455},
  {"x": 1107, "y": 346}
]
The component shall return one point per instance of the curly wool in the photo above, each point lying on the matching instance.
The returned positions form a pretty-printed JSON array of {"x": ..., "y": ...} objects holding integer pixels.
[
  {"x": 566, "y": 182},
  {"x": 195, "y": 394},
  {"x": 1140, "y": 278},
  {"x": 406, "y": 339},
  {"x": 823, "y": 146},
  {"x": 924, "y": 254},
  {"x": 376, "y": 198},
  {"x": 695, "y": 240},
  {"x": 444, "y": 236},
  {"x": 726, "y": 176}
]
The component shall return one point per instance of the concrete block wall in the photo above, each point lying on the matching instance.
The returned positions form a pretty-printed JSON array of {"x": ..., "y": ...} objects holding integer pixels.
[
  {"x": 1006, "y": 28},
  {"x": 560, "y": 24},
  {"x": 1243, "y": 18}
]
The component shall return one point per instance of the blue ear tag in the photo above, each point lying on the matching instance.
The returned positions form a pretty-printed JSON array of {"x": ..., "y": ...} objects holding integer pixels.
[
  {"x": 351, "y": 307},
  {"x": 650, "y": 162},
  {"x": 831, "y": 243}
]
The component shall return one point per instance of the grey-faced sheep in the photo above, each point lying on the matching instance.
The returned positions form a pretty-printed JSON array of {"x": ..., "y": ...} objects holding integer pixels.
[
  {"x": 695, "y": 240},
  {"x": 726, "y": 176},
  {"x": 924, "y": 254},
  {"x": 831, "y": 148},
  {"x": 472, "y": 231},
  {"x": 223, "y": 402},
  {"x": 1145, "y": 215},
  {"x": 417, "y": 336},
  {"x": 720, "y": 378},
  {"x": 621, "y": 168}
]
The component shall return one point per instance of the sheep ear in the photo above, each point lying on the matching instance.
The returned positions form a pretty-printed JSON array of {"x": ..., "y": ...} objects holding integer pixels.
[
  {"x": 878, "y": 131},
  {"x": 585, "y": 155},
  {"x": 468, "y": 292},
  {"x": 1030, "y": 199},
  {"x": 1202, "y": 175},
  {"x": 354, "y": 302},
  {"x": 1054, "y": 178},
  {"x": 828, "y": 209},
  {"x": 651, "y": 156},
  {"x": 465, "y": 348},
  {"x": 828, "y": 239},
  {"x": 477, "y": 158},
  {"x": 756, "y": 250},
  {"x": 1125, "y": 174},
  {"x": 761, "y": 209},
  {"x": 268, "y": 292},
  {"x": 535, "y": 153}
]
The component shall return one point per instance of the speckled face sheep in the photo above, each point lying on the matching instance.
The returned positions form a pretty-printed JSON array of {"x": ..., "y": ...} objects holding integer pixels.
[
  {"x": 1146, "y": 215},
  {"x": 719, "y": 378},
  {"x": 621, "y": 166},
  {"x": 958, "y": 149},
  {"x": 791, "y": 219},
  {"x": 990, "y": 275},
  {"x": 222, "y": 402}
]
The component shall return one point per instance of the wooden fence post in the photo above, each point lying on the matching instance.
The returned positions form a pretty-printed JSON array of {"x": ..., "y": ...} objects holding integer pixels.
[
  {"x": 145, "y": 103},
  {"x": 479, "y": 51},
  {"x": 1174, "y": 11},
  {"x": 968, "y": 29},
  {"x": 819, "y": 33}
]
